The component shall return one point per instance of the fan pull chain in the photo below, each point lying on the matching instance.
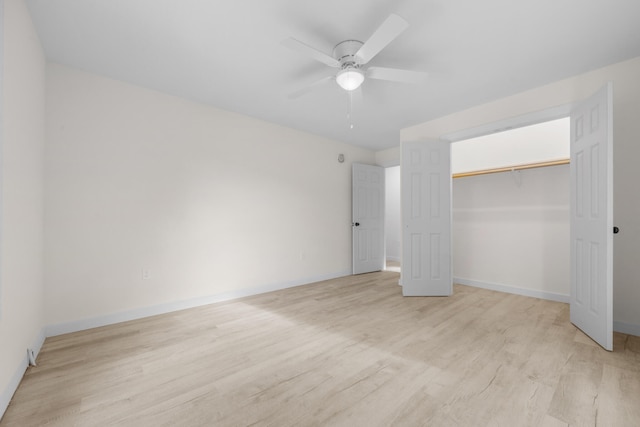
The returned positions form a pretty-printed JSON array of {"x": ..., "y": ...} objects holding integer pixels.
[{"x": 350, "y": 108}]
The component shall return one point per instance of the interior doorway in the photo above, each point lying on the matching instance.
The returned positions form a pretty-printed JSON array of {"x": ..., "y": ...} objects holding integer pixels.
[{"x": 392, "y": 225}]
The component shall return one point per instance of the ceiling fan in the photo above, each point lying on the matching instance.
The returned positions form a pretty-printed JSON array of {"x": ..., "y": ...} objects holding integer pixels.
[{"x": 350, "y": 57}]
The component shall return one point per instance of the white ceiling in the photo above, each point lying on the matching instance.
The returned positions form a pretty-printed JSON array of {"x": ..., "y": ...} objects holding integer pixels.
[{"x": 227, "y": 53}]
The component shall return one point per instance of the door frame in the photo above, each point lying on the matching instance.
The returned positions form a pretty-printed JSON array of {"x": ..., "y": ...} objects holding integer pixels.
[
  {"x": 1, "y": 131},
  {"x": 547, "y": 115}
]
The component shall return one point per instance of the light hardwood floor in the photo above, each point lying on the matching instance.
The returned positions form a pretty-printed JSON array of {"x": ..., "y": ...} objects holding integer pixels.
[{"x": 350, "y": 352}]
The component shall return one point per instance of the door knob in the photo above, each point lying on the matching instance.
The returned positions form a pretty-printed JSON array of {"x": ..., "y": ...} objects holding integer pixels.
[{"x": 616, "y": 230}]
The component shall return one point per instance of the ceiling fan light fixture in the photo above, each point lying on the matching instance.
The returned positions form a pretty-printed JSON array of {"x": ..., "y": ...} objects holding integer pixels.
[{"x": 350, "y": 78}]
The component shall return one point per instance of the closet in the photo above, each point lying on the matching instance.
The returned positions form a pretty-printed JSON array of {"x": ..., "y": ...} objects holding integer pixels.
[{"x": 510, "y": 210}]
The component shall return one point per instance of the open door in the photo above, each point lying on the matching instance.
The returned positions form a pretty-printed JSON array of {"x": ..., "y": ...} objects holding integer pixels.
[
  {"x": 425, "y": 180},
  {"x": 591, "y": 300},
  {"x": 367, "y": 218}
]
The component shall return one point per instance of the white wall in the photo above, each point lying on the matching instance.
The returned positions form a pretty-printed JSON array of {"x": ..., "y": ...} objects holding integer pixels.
[
  {"x": 389, "y": 157},
  {"x": 537, "y": 143},
  {"x": 207, "y": 201},
  {"x": 392, "y": 229},
  {"x": 21, "y": 282},
  {"x": 512, "y": 230},
  {"x": 626, "y": 130}
]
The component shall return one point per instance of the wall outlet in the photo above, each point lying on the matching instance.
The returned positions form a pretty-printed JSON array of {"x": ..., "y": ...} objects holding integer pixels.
[
  {"x": 146, "y": 274},
  {"x": 31, "y": 355}
]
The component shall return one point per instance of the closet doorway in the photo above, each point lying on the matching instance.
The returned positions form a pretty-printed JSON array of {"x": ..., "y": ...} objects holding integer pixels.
[
  {"x": 510, "y": 209},
  {"x": 510, "y": 215},
  {"x": 425, "y": 168},
  {"x": 392, "y": 228}
]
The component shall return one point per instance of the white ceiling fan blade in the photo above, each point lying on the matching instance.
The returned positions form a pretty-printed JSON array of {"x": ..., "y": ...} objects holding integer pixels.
[
  {"x": 305, "y": 49},
  {"x": 389, "y": 30},
  {"x": 309, "y": 88},
  {"x": 396, "y": 75}
]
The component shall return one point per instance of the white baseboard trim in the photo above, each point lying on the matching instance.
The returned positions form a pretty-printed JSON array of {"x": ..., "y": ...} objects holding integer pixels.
[
  {"x": 139, "y": 313},
  {"x": 14, "y": 382},
  {"x": 513, "y": 290},
  {"x": 393, "y": 258},
  {"x": 36, "y": 346},
  {"x": 622, "y": 327},
  {"x": 626, "y": 328}
]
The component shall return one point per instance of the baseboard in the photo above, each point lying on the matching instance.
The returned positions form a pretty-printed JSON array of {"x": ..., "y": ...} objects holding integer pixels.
[
  {"x": 393, "y": 258},
  {"x": 124, "y": 316},
  {"x": 513, "y": 290},
  {"x": 36, "y": 346},
  {"x": 622, "y": 327},
  {"x": 626, "y": 328},
  {"x": 14, "y": 382}
]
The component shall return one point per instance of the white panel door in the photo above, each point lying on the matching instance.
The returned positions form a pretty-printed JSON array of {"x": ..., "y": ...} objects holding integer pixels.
[
  {"x": 592, "y": 217},
  {"x": 425, "y": 175},
  {"x": 367, "y": 218}
]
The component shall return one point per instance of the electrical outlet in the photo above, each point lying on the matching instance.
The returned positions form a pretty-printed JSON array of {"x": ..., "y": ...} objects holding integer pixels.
[{"x": 146, "y": 274}]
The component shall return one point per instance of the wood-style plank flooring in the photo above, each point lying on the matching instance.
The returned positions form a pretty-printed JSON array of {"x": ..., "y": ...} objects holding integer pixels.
[{"x": 344, "y": 352}]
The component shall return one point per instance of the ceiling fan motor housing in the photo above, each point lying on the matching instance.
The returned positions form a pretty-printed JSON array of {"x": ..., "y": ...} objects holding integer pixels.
[{"x": 345, "y": 53}]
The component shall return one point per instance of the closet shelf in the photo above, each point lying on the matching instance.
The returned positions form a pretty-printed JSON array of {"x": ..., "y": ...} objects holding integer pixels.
[{"x": 512, "y": 168}]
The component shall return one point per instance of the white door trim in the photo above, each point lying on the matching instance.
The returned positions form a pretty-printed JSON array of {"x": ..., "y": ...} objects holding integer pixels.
[{"x": 511, "y": 123}]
